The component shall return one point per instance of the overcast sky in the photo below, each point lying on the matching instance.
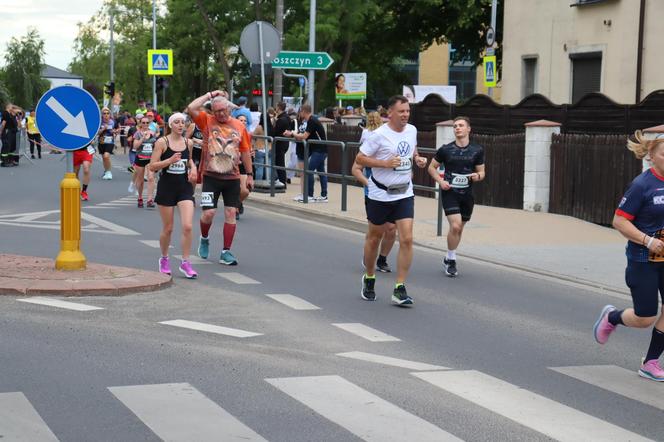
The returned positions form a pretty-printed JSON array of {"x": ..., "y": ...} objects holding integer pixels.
[{"x": 54, "y": 19}]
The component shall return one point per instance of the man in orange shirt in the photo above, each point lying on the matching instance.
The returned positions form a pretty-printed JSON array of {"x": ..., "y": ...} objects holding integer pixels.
[{"x": 225, "y": 143}]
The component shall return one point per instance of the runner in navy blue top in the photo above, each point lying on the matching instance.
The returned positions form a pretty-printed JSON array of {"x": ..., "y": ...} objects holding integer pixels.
[{"x": 640, "y": 219}]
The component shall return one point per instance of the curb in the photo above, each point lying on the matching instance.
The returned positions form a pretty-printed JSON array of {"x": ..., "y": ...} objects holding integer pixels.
[{"x": 351, "y": 224}]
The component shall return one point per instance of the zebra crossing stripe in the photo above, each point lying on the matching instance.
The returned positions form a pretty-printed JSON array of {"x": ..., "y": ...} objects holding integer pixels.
[
  {"x": 200, "y": 326},
  {"x": 194, "y": 259},
  {"x": 294, "y": 302},
  {"x": 362, "y": 413},
  {"x": 366, "y": 332},
  {"x": 20, "y": 421},
  {"x": 237, "y": 278},
  {"x": 386, "y": 360},
  {"x": 179, "y": 412},
  {"x": 529, "y": 409},
  {"x": 616, "y": 380},
  {"x": 60, "y": 304}
]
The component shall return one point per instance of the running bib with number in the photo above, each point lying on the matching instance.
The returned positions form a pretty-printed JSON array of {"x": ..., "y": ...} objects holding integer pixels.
[
  {"x": 206, "y": 199},
  {"x": 405, "y": 166},
  {"x": 91, "y": 150},
  {"x": 108, "y": 140},
  {"x": 178, "y": 167},
  {"x": 460, "y": 181},
  {"x": 146, "y": 148}
]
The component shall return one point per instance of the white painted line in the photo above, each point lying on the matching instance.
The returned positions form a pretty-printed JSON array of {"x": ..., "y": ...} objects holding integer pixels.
[
  {"x": 362, "y": 413},
  {"x": 386, "y": 360},
  {"x": 237, "y": 278},
  {"x": 200, "y": 326},
  {"x": 116, "y": 203},
  {"x": 151, "y": 243},
  {"x": 194, "y": 259},
  {"x": 366, "y": 332},
  {"x": 294, "y": 302},
  {"x": 60, "y": 304},
  {"x": 179, "y": 412},
  {"x": 19, "y": 421},
  {"x": 617, "y": 380},
  {"x": 531, "y": 410}
]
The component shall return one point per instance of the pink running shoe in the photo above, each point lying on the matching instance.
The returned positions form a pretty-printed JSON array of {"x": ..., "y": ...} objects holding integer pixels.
[
  {"x": 603, "y": 328},
  {"x": 651, "y": 370},
  {"x": 187, "y": 271},
  {"x": 164, "y": 266}
]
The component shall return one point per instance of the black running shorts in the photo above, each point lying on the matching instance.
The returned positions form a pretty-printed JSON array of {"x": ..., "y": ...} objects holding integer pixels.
[
  {"x": 213, "y": 187},
  {"x": 645, "y": 281},
  {"x": 458, "y": 203},
  {"x": 106, "y": 148},
  {"x": 381, "y": 212}
]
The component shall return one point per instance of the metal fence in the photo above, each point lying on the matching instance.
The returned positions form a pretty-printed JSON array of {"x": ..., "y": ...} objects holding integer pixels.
[{"x": 589, "y": 174}]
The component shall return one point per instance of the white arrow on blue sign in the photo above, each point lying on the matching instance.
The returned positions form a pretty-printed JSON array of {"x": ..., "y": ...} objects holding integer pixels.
[{"x": 68, "y": 117}]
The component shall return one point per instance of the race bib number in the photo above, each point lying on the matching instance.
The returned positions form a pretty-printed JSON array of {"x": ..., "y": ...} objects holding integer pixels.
[
  {"x": 405, "y": 166},
  {"x": 178, "y": 167},
  {"x": 147, "y": 148},
  {"x": 206, "y": 199},
  {"x": 108, "y": 140},
  {"x": 91, "y": 150},
  {"x": 460, "y": 181}
]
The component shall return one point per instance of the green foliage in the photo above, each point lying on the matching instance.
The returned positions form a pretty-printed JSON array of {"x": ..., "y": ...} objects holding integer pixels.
[
  {"x": 22, "y": 72},
  {"x": 368, "y": 36}
]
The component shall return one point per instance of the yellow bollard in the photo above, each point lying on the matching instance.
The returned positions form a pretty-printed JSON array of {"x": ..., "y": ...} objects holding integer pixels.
[{"x": 70, "y": 256}]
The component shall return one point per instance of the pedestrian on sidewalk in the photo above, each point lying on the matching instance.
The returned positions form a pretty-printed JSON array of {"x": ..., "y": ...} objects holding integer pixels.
[
  {"x": 640, "y": 219},
  {"x": 225, "y": 144},
  {"x": 463, "y": 164},
  {"x": 281, "y": 125},
  {"x": 172, "y": 155},
  {"x": 363, "y": 174},
  {"x": 390, "y": 152},
  {"x": 9, "y": 131}
]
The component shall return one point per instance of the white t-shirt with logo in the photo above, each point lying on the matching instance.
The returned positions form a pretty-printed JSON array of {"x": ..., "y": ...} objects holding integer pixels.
[{"x": 383, "y": 144}]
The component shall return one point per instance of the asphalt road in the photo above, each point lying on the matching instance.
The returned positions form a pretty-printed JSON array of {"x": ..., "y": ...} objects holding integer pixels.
[{"x": 494, "y": 340}]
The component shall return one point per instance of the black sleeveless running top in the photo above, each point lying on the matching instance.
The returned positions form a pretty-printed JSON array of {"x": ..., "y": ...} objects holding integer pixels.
[{"x": 177, "y": 168}]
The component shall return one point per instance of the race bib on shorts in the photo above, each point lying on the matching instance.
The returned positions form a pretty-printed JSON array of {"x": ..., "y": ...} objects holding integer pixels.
[
  {"x": 460, "y": 181},
  {"x": 91, "y": 150},
  {"x": 108, "y": 140},
  {"x": 405, "y": 166},
  {"x": 178, "y": 167},
  {"x": 206, "y": 199}
]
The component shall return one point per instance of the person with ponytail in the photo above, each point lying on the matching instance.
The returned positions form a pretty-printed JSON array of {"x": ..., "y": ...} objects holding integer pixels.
[{"x": 640, "y": 219}]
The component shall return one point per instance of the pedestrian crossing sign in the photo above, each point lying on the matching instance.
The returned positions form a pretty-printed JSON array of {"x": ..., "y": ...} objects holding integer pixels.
[
  {"x": 160, "y": 62},
  {"x": 490, "y": 74}
]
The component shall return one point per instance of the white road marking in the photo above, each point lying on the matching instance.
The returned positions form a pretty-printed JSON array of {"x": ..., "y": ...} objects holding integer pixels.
[
  {"x": 395, "y": 362},
  {"x": 293, "y": 302},
  {"x": 366, "y": 332},
  {"x": 152, "y": 243},
  {"x": 59, "y": 304},
  {"x": 362, "y": 413},
  {"x": 179, "y": 412},
  {"x": 200, "y": 326},
  {"x": 237, "y": 278},
  {"x": 19, "y": 421},
  {"x": 617, "y": 380},
  {"x": 194, "y": 259},
  {"x": 529, "y": 409}
]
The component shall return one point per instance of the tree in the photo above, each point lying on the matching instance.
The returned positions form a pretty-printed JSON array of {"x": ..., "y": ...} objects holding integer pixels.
[{"x": 24, "y": 64}]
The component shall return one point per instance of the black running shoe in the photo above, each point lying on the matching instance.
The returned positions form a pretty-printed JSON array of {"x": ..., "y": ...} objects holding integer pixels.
[
  {"x": 368, "y": 293},
  {"x": 383, "y": 266},
  {"x": 450, "y": 267},
  {"x": 241, "y": 209},
  {"x": 400, "y": 297}
]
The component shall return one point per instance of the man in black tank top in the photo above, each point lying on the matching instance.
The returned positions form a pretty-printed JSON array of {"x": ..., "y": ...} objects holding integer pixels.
[{"x": 463, "y": 164}]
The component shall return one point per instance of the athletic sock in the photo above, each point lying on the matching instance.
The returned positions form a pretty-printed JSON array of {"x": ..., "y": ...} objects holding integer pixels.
[
  {"x": 369, "y": 277},
  {"x": 615, "y": 317},
  {"x": 398, "y": 284},
  {"x": 205, "y": 229},
  {"x": 656, "y": 345},
  {"x": 451, "y": 255},
  {"x": 85, "y": 187},
  {"x": 229, "y": 233}
]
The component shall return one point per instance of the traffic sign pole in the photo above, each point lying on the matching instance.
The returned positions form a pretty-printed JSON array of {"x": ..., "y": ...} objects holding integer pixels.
[
  {"x": 312, "y": 48},
  {"x": 70, "y": 256}
]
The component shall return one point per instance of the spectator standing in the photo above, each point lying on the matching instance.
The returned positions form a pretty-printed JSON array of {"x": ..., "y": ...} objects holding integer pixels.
[
  {"x": 34, "y": 137},
  {"x": 241, "y": 109}
]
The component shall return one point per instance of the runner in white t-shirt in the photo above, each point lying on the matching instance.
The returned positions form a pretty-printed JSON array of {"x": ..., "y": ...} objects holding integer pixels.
[{"x": 390, "y": 152}]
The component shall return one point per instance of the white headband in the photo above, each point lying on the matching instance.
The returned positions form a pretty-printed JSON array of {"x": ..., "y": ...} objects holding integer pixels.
[{"x": 176, "y": 116}]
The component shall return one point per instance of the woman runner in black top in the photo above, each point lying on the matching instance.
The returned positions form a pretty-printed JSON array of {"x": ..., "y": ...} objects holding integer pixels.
[{"x": 172, "y": 155}]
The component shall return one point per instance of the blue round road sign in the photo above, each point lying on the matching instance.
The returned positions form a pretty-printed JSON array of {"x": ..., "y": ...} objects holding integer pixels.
[{"x": 68, "y": 117}]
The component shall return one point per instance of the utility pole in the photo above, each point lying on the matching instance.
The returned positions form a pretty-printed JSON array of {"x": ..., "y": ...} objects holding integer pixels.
[
  {"x": 278, "y": 77},
  {"x": 112, "y": 49},
  {"x": 154, "y": 46},
  {"x": 312, "y": 48}
]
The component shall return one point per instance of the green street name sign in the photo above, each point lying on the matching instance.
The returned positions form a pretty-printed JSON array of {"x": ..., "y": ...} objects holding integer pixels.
[{"x": 302, "y": 60}]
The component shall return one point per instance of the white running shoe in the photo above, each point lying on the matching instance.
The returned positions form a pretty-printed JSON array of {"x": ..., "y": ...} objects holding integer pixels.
[{"x": 132, "y": 187}]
